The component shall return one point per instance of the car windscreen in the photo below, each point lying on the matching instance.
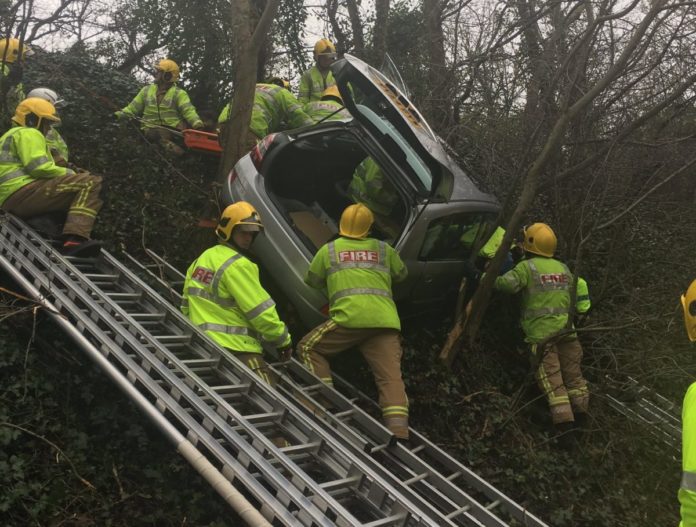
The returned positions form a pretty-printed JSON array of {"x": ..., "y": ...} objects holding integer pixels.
[{"x": 454, "y": 237}]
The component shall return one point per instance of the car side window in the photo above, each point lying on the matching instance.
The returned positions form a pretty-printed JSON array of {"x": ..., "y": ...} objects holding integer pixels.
[{"x": 454, "y": 237}]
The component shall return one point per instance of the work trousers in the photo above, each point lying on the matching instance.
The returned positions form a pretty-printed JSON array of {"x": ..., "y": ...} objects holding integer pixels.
[
  {"x": 76, "y": 193},
  {"x": 258, "y": 365},
  {"x": 560, "y": 378},
  {"x": 381, "y": 348}
]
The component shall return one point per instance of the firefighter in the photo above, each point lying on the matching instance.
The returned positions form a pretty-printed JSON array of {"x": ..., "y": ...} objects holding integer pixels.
[
  {"x": 371, "y": 188},
  {"x": 274, "y": 107},
  {"x": 12, "y": 54},
  {"x": 545, "y": 285},
  {"x": 329, "y": 108},
  {"x": 316, "y": 79},
  {"x": 687, "y": 491},
  {"x": 164, "y": 107},
  {"x": 56, "y": 144},
  {"x": 31, "y": 184},
  {"x": 357, "y": 273},
  {"x": 223, "y": 296}
]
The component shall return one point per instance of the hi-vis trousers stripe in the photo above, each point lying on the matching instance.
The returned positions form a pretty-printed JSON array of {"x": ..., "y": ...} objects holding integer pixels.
[
  {"x": 84, "y": 190},
  {"x": 258, "y": 368},
  {"x": 319, "y": 333}
]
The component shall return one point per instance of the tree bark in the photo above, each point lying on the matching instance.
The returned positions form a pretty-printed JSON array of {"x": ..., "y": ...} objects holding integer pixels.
[{"x": 249, "y": 34}]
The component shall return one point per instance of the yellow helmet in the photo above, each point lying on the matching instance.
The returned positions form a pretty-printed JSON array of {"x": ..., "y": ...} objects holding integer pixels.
[
  {"x": 278, "y": 81},
  {"x": 539, "y": 239},
  {"x": 332, "y": 92},
  {"x": 324, "y": 47},
  {"x": 9, "y": 50},
  {"x": 170, "y": 67},
  {"x": 688, "y": 301},
  {"x": 356, "y": 221},
  {"x": 240, "y": 213},
  {"x": 31, "y": 112}
]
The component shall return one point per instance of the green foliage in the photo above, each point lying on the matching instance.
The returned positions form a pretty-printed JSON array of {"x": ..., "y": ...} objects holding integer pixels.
[{"x": 74, "y": 450}]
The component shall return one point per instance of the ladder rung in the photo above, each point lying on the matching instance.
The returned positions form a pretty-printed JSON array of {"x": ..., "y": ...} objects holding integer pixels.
[
  {"x": 225, "y": 389},
  {"x": 419, "y": 477},
  {"x": 417, "y": 449},
  {"x": 345, "y": 413},
  {"x": 339, "y": 483},
  {"x": 198, "y": 363},
  {"x": 313, "y": 387},
  {"x": 147, "y": 316},
  {"x": 395, "y": 519},
  {"x": 492, "y": 505},
  {"x": 172, "y": 339},
  {"x": 299, "y": 449},
  {"x": 102, "y": 277},
  {"x": 459, "y": 511},
  {"x": 266, "y": 416},
  {"x": 453, "y": 475},
  {"x": 124, "y": 296}
]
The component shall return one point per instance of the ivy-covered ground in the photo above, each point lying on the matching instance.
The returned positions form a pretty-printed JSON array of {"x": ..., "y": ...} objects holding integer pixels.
[{"x": 75, "y": 452}]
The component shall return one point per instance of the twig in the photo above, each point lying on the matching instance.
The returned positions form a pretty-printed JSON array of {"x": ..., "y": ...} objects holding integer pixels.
[{"x": 53, "y": 445}]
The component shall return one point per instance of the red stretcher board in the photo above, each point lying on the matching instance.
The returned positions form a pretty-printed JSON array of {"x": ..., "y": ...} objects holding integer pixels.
[{"x": 205, "y": 142}]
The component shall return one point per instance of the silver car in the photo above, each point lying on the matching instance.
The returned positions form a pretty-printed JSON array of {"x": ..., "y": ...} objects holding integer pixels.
[{"x": 299, "y": 182}]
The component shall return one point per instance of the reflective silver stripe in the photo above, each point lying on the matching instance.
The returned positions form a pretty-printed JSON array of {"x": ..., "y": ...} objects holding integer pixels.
[
  {"x": 332, "y": 253},
  {"x": 12, "y": 175},
  {"x": 532, "y": 313},
  {"x": 357, "y": 265},
  {"x": 222, "y": 328},
  {"x": 202, "y": 293},
  {"x": 36, "y": 163},
  {"x": 279, "y": 341},
  {"x": 688, "y": 481},
  {"x": 263, "y": 306},
  {"x": 221, "y": 271},
  {"x": 360, "y": 291}
]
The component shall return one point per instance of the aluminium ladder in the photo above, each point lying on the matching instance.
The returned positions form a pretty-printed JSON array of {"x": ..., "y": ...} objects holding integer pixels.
[
  {"x": 435, "y": 476},
  {"x": 324, "y": 473}
]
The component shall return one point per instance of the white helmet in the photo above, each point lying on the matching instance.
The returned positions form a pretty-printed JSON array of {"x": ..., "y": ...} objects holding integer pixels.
[{"x": 49, "y": 95}]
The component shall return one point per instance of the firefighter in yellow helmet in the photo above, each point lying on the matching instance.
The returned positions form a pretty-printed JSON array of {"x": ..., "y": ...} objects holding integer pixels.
[
  {"x": 545, "y": 286},
  {"x": 316, "y": 79},
  {"x": 687, "y": 490},
  {"x": 357, "y": 273},
  {"x": 31, "y": 184},
  {"x": 12, "y": 53},
  {"x": 224, "y": 297},
  {"x": 163, "y": 106},
  {"x": 328, "y": 108}
]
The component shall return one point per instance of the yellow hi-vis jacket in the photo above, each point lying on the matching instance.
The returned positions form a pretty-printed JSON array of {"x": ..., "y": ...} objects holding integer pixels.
[
  {"x": 175, "y": 108},
  {"x": 273, "y": 106},
  {"x": 313, "y": 84},
  {"x": 223, "y": 297},
  {"x": 327, "y": 110},
  {"x": 687, "y": 491},
  {"x": 358, "y": 276},
  {"x": 57, "y": 143},
  {"x": 545, "y": 284},
  {"x": 24, "y": 158}
]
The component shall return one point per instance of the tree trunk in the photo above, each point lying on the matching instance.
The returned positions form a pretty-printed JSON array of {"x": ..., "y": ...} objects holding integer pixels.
[{"x": 249, "y": 34}]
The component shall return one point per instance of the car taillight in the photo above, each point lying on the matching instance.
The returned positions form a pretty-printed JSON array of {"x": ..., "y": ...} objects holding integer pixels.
[
  {"x": 325, "y": 310},
  {"x": 260, "y": 150}
]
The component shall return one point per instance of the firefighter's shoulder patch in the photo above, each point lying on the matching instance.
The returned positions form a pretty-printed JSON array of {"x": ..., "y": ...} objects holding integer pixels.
[{"x": 202, "y": 275}]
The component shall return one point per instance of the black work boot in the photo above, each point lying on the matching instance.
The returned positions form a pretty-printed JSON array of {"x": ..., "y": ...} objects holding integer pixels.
[{"x": 80, "y": 247}]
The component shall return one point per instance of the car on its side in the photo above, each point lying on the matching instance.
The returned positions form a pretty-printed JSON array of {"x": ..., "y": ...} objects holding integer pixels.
[{"x": 298, "y": 181}]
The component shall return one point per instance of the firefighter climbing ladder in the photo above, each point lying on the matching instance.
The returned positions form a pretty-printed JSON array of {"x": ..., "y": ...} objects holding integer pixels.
[{"x": 299, "y": 461}]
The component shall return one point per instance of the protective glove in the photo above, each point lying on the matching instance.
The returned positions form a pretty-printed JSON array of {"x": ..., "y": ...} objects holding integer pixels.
[{"x": 285, "y": 354}]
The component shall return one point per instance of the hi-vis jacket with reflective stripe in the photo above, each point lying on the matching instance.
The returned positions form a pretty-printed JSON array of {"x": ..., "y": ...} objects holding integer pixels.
[
  {"x": 15, "y": 93},
  {"x": 175, "y": 108},
  {"x": 369, "y": 187},
  {"x": 223, "y": 297},
  {"x": 313, "y": 84},
  {"x": 273, "y": 106},
  {"x": 24, "y": 158},
  {"x": 545, "y": 283},
  {"x": 358, "y": 276},
  {"x": 318, "y": 110},
  {"x": 57, "y": 143},
  {"x": 687, "y": 491}
]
